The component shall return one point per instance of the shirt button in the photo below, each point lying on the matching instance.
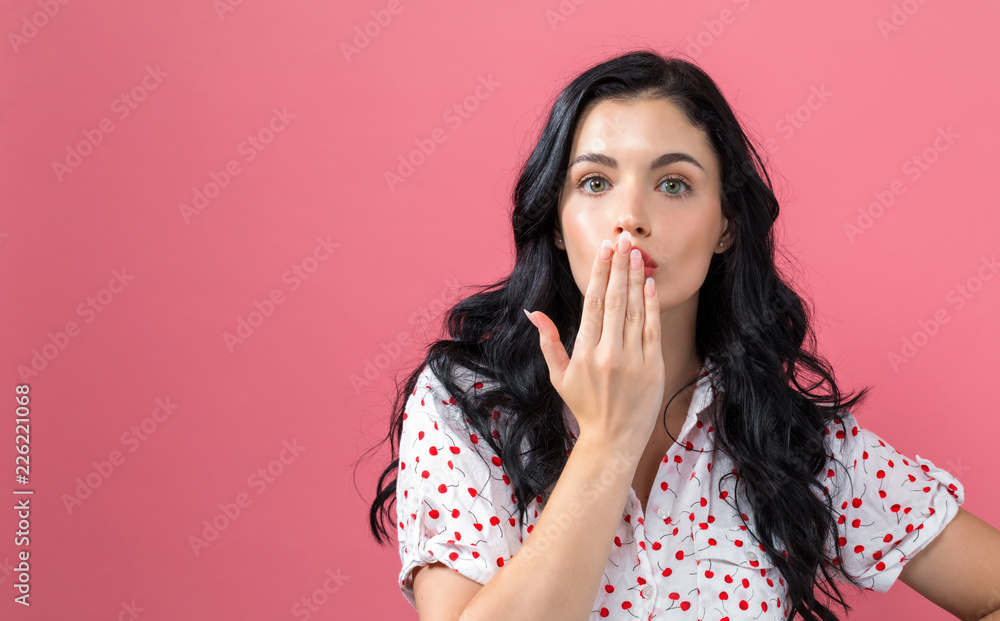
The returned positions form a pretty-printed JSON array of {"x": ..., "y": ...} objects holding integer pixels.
[
  {"x": 663, "y": 513},
  {"x": 647, "y": 592},
  {"x": 751, "y": 555}
]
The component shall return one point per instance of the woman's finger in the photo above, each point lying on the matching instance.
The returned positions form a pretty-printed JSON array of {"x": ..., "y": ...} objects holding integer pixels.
[
  {"x": 616, "y": 298},
  {"x": 592, "y": 321},
  {"x": 636, "y": 309}
]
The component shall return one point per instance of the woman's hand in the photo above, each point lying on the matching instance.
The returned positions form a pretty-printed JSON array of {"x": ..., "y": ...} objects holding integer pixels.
[{"x": 615, "y": 381}]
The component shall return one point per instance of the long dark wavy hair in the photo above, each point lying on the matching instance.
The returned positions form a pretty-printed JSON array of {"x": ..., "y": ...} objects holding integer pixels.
[{"x": 771, "y": 411}]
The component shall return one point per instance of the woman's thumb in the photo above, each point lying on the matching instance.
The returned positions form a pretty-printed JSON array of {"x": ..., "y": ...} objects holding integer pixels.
[{"x": 552, "y": 348}]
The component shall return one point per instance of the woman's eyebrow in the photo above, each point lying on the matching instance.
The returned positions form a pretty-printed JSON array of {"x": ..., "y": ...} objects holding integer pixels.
[{"x": 663, "y": 160}]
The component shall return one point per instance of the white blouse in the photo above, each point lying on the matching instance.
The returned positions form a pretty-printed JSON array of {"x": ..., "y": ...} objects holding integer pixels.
[{"x": 690, "y": 557}]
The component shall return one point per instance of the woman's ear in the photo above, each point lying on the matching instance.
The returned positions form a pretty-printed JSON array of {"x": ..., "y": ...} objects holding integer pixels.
[{"x": 725, "y": 239}]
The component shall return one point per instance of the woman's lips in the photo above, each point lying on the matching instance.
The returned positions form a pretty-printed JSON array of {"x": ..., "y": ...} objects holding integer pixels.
[{"x": 646, "y": 259}]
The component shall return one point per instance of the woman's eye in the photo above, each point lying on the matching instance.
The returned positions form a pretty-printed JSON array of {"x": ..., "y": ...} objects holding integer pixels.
[
  {"x": 591, "y": 182},
  {"x": 673, "y": 185}
]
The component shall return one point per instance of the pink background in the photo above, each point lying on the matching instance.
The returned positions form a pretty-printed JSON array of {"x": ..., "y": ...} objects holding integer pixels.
[{"x": 398, "y": 255}]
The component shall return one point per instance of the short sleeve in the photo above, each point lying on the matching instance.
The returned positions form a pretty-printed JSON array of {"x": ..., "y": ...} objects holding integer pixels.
[
  {"x": 453, "y": 505},
  {"x": 890, "y": 506}
]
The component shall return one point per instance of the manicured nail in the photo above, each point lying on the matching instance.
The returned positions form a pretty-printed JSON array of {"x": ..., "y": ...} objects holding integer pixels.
[
  {"x": 605, "y": 250},
  {"x": 635, "y": 259},
  {"x": 530, "y": 318},
  {"x": 624, "y": 241}
]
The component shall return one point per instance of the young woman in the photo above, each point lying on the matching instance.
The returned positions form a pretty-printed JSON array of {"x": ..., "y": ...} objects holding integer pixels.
[{"x": 657, "y": 444}]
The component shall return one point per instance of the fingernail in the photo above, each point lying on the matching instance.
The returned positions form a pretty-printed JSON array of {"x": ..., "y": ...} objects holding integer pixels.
[
  {"x": 530, "y": 318},
  {"x": 635, "y": 259},
  {"x": 605, "y": 250},
  {"x": 624, "y": 241}
]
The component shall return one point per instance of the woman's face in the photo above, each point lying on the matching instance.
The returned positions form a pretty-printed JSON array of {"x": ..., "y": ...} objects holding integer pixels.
[{"x": 673, "y": 211}]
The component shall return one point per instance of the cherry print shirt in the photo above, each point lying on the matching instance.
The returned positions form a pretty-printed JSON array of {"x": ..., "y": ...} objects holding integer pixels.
[{"x": 690, "y": 557}]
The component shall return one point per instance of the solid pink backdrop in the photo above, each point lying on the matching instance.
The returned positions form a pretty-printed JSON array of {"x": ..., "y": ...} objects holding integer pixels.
[{"x": 116, "y": 117}]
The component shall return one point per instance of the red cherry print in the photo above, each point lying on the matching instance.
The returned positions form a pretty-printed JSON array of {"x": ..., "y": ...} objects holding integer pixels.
[
  {"x": 472, "y": 492},
  {"x": 433, "y": 513},
  {"x": 453, "y": 556},
  {"x": 433, "y": 450},
  {"x": 494, "y": 520},
  {"x": 500, "y": 562},
  {"x": 496, "y": 461},
  {"x": 744, "y": 605},
  {"x": 442, "y": 488},
  {"x": 626, "y": 605},
  {"x": 420, "y": 436},
  {"x": 656, "y": 545},
  {"x": 609, "y": 588},
  {"x": 667, "y": 572},
  {"x": 478, "y": 526},
  {"x": 709, "y": 573},
  {"x": 685, "y": 605},
  {"x": 605, "y": 612},
  {"x": 675, "y": 596},
  {"x": 455, "y": 513}
]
